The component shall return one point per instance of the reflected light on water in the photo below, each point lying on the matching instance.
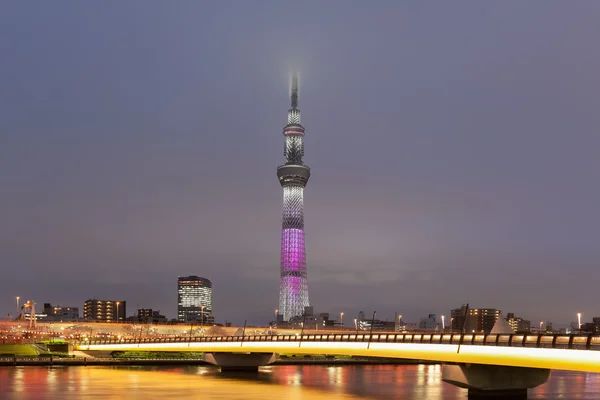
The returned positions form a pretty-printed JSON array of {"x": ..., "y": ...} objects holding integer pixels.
[
  {"x": 294, "y": 379},
  {"x": 433, "y": 378},
  {"x": 421, "y": 374},
  {"x": 280, "y": 382},
  {"x": 126, "y": 383},
  {"x": 335, "y": 378},
  {"x": 84, "y": 382},
  {"x": 204, "y": 370},
  {"x": 51, "y": 380},
  {"x": 19, "y": 378}
]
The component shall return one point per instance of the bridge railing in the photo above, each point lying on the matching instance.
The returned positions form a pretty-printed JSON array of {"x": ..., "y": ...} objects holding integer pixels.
[{"x": 577, "y": 342}]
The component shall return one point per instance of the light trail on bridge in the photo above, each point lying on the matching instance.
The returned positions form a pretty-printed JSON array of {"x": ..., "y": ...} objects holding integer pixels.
[{"x": 512, "y": 353}]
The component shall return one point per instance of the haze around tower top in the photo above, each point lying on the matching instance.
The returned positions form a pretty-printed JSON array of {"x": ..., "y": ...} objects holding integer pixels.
[{"x": 453, "y": 152}]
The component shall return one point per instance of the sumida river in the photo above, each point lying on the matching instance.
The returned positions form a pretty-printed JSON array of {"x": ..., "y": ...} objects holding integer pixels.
[{"x": 276, "y": 382}]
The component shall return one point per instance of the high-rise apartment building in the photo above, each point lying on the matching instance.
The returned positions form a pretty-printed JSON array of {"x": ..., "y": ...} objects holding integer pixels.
[
  {"x": 194, "y": 299},
  {"x": 293, "y": 177},
  {"x": 105, "y": 310}
]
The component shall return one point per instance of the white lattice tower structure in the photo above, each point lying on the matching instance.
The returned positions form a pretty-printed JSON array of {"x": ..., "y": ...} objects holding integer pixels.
[
  {"x": 293, "y": 176},
  {"x": 29, "y": 305}
]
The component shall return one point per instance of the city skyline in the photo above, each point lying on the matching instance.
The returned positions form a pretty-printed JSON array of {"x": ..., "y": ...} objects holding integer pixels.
[
  {"x": 456, "y": 149},
  {"x": 452, "y": 319}
]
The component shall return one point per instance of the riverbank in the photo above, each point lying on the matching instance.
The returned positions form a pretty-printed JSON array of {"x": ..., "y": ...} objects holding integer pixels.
[
  {"x": 18, "y": 350},
  {"x": 51, "y": 361},
  {"x": 350, "y": 361},
  {"x": 41, "y": 354}
]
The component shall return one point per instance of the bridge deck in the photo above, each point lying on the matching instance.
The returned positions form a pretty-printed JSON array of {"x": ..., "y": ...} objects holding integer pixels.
[{"x": 566, "y": 352}]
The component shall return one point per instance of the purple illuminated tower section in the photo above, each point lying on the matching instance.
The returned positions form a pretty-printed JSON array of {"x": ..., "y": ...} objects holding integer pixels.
[{"x": 293, "y": 176}]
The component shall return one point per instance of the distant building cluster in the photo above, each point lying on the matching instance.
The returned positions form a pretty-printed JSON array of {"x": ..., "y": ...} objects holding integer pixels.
[
  {"x": 461, "y": 319},
  {"x": 58, "y": 313},
  {"x": 194, "y": 304},
  {"x": 308, "y": 320}
]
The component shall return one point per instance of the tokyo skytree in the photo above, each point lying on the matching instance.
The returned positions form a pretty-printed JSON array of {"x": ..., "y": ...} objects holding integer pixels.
[{"x": 293, "y": 176}]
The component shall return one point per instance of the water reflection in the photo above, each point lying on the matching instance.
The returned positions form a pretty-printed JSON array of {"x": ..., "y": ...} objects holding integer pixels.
[{"x": 283, "y": 382}]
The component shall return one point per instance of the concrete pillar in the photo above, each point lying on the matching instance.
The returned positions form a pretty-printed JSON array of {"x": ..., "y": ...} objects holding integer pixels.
[
  {"x": 239, "y": 362},
  {"x": 493, "y": 381}
]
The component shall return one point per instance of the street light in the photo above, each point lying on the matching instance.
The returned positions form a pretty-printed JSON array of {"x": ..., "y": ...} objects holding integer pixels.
[
  {"x": 118, "y": 311},
  {"x": 191, "y": 330},
  {"x": 356, "y": 325},
  {"x": 275, "y": 324},
  {"x": 342, "y": 320},
  {"x": 541, "y": 323},
  {"x": 443, "y": 324},
  {"x": 399, "y": 322},
  {"x": 451, "y": 319},
  {"x": 579, "y": 322}
]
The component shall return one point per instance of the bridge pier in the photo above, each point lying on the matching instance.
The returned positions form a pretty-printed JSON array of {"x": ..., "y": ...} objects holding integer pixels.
[
  {"x": 239, "y": 362},
  {"x": 492, "y": 381}
]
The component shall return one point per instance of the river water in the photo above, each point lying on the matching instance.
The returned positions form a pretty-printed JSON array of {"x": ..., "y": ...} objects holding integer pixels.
[{"x": 278, "y": 382}]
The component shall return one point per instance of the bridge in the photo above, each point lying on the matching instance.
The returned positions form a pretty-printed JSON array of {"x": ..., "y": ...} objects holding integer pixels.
[{"x": 500, "y": 363}]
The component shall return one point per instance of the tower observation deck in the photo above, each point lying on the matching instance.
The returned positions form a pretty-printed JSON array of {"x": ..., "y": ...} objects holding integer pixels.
[{"x": 293, "y": 176}]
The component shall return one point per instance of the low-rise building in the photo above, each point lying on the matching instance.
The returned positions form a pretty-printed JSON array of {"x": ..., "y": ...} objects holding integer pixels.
[
  {"x": 378, "y": 325},
  {"x": 308, "y": 320},
  {"x": 150, "y": 316},
  {"x": 590, "y": 327},
  {"x": 407, "y": 326},
  {"x": 104, "y": 310},
  {"x": 364, "y": 323},
  {"x": 59, "y": 313},
  {"x": 473, "y": 320},
  {"x": 428, "y": 324},
  {"x": 518, "y": 324}
]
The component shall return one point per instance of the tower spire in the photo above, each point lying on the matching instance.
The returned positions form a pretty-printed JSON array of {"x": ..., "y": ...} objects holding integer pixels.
[{"x": 294, "y": 90}]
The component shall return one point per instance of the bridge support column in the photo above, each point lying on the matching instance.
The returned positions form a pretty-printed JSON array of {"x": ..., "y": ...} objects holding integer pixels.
[
  {"x": 239, "y": 362},
  {"x": 493, "y": 381}
]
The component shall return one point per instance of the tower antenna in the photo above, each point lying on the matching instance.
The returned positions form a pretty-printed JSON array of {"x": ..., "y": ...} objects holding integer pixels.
[{"x": 294, "y": 90}]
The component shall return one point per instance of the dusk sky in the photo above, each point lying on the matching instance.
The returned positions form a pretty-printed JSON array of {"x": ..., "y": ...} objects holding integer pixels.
[{"x": 454, "y": 149}]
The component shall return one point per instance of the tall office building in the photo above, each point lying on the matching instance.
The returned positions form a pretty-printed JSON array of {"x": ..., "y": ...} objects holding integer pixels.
[
  {"x": 293, "y": 176},
  {"x": 194, "y": 299},
  {"x": 104, "y": 310}
]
